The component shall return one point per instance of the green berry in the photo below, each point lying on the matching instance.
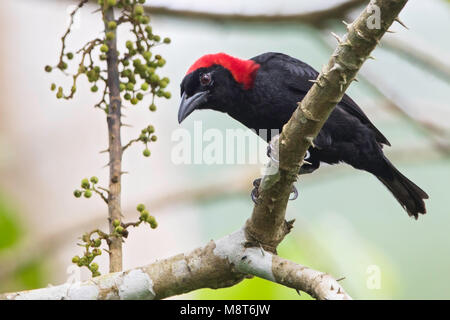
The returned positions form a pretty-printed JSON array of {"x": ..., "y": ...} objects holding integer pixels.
[
  {"x": 83, "y": 261},
  {"x": 167, "y": 95},
  {"x": 94, "y": 88},
  {"x": 96, "y": 252},
  {"x": 127, "y": 96},
  {"x": 119, "y": 229},
  {"x": 59, "y": 94},
  {"x": 87, "y": 194},
  {"x": 150, "y": 129},
  {"x": 76, "y": 259},
  {"x": 144, "y": 215},
  {"x": 85, "y": 183},
  {"x": 143, "y": 137},
  {"x": 97, "y": 243},
  {"x": 130, "y": 86},
  {"x": 146, "y": 153},
  {"x": 154, "y": 138},
  {"x": 167, "y": 40},
  {"x": 147, "y": 55},
  {"x": 152, "y": 221},
  {"x": 140, "y": 96},
  {"x": 94, "y": 180},
  {"x": 140, "y": 207},
  {"x": 48, "y": 69},
  {"x": 77, "y": 193},
  {"x": 104, "y": 48},
  {"x": 138, "y": 10},
  {"x": 161, "y": 62},
  {"x": 53, "y": 87},
  {"x": 110, "y": 36},
  {"x": 112, "y": 2},
  {"x": 112, "y": 25},
  {"x": 69, "y": 55},
  {"x": 122, "y": 86},
  {"x": 93, "y": 267},
  {"x": 144, "y": 86},
  {"x": 152, "y": 107},
  {"x": 134, "y": 101},
  {"x": 116, "y": 223}
]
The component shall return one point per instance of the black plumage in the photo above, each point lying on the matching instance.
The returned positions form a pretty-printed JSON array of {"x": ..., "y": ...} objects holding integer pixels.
[{"x": 277, "y": 84}]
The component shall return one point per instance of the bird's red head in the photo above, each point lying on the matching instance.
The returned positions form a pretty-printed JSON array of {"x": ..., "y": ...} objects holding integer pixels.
[
  {"x": 243, "y": 71},
  {"x": 214, "y": 81}
]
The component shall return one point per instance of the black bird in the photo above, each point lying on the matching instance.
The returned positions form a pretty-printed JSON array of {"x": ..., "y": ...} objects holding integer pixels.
[{"x": 262, "y": 93}]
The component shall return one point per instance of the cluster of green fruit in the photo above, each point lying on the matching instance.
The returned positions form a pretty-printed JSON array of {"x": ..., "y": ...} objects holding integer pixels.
[
  {"x": 89, "y": 255},
  {"x": 147, "y": 135},
  {"x": 146, "y": 217},
  {"x": 86, "y": 187}
]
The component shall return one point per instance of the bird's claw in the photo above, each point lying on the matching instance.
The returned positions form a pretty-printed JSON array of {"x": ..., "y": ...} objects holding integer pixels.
[
  {"x": 294, "y": 193},
  {"x": 255, "y": 192}
]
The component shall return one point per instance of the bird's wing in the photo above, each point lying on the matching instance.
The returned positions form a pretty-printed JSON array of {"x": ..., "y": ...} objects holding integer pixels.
[{"x": 301, "y": 82}]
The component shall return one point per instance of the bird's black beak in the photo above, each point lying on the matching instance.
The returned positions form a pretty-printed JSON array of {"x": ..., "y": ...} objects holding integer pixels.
[{"x": 189, "y": 104}]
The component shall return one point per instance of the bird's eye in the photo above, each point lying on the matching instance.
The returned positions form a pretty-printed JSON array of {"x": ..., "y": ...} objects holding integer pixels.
[{"x": 205, "y": 79}]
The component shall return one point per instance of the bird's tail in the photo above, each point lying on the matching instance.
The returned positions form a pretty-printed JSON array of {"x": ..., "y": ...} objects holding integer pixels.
[{"x": 407, "y": 193}]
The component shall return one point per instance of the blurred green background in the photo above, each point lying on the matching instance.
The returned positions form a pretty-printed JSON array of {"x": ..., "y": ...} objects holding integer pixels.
[{"x": 347, "y": 223}]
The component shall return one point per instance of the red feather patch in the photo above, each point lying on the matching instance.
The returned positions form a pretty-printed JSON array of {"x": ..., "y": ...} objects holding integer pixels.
[{"x": 243, "y": 71}]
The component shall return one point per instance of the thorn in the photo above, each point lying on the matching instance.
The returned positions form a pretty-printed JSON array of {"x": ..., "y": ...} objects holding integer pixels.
[
  {"x": 298, "y": 292},
  {"x": 313, "y": 81},
  {"x": 340, "y": 279},
  {"x": 355, "y": 79},
  {"x": 311, "y": 141},
  {"x": 339, "y": 40},
  {"x": 104, "y": 151},
  {"x": 106, "y": 165},
  {"x": 371, "y": 57},
  {"x": 331, "y": 288},
  {"x": 262, "y": 250},
  {"x": 339, "y": 290},
  {"x": 307, "y": 162},
  {"x": 126, "y": 125},
  {"x": 124, "y": 172},
  {"x": 401, "y": 23},
  {"x": 347, "y": 25},
  {"x": 390, "y": 31}
]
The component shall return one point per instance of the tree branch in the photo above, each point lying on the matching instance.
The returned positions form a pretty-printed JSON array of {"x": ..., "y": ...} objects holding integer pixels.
[
  {"x": 219, "y": 264},
  {"x": 115, "y": 145},
  {"x": 317, "y": 17},
  {"x": 267, "y": 225}
]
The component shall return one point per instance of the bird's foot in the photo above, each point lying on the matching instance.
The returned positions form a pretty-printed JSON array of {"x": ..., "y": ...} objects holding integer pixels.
[
  {"x": 294, "y": 193},
  {"x": 255, "y": 192}
]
